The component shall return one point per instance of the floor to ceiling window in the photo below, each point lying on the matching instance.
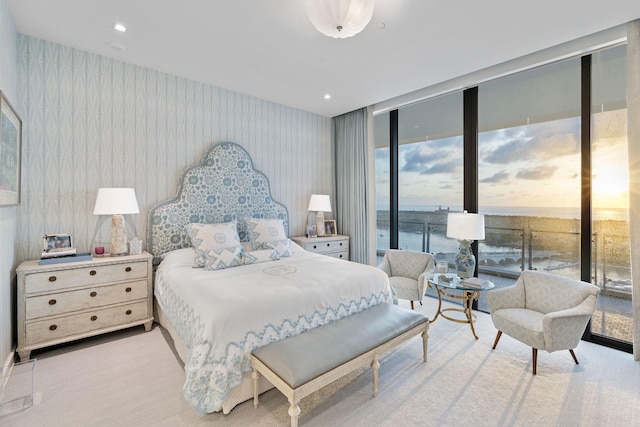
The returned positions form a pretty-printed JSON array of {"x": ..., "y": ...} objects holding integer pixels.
[
  {"x": 429, "y": 174},
  {"x": 531, "y": 145},
  {"x": 610, "y": 191},
  {"x": 529, "y": 173},
  {"x": 383, "y": 185}
]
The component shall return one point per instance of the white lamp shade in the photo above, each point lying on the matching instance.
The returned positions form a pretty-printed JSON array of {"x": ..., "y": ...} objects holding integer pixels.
[
  {"x": 116, "y": 201},
  {"x": 320, "y": 203},
  {"x": 340, "y": 18},
  {"x": 465, "y": 226}
]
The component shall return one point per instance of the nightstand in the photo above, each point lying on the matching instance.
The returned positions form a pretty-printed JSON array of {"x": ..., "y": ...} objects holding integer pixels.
[
  {"x": 63, "y": 302},
  {"x": 334, "y": 246}
]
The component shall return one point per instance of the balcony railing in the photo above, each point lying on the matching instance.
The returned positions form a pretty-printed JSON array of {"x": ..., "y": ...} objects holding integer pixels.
[{"x": 506, "y": 252}]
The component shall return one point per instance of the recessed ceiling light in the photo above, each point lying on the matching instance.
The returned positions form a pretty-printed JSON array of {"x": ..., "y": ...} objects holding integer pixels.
[
  {"x": 327, "y": 96},
  {"x": 119, "y": 27}
]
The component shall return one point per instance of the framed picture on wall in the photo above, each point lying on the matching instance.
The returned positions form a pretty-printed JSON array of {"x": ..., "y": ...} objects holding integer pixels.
[
  {"x": 10, "y": 153},
  {"x": 330, "y": 227}
]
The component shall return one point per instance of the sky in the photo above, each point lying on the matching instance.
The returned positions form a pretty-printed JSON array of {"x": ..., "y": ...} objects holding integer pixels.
[{"x": 532, "y": 165}]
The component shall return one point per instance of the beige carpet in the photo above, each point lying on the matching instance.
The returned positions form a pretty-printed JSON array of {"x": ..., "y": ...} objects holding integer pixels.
[{"x": 132, "y": 378}]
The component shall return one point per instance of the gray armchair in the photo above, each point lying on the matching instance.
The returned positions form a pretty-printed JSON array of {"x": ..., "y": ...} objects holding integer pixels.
[
  {"x": 407, "y": 272},
  {"x": 544, "y": 311}
]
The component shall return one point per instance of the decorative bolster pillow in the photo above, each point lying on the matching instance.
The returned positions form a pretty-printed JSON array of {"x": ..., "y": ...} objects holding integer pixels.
[
  {"x": 219, "y": 259},
  {"x": 256, "y": 257}
]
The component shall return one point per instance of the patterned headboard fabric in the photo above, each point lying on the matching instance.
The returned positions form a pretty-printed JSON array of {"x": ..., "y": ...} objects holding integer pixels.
[{"x": 223, "y": 188}]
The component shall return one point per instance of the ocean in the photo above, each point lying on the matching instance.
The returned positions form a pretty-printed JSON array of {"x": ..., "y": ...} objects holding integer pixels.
[
  {"x": 543, "y": 243},
  {"x": 620, "y": 214}
]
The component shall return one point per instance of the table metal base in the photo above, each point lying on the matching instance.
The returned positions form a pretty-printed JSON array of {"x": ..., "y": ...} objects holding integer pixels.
[{"x": 467, "y": 298}]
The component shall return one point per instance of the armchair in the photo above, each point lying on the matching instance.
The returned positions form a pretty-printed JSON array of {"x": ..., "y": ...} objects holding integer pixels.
[
  {"x": 407, "y": 272},
  {"x": 543, "y": 311}
]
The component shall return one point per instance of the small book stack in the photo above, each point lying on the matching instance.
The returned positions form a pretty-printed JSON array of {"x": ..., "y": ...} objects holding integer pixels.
[
  {"x": 474, "y": 282},
  {"x": 70, "y": 257},
  {"x": 57, "y": 253}
]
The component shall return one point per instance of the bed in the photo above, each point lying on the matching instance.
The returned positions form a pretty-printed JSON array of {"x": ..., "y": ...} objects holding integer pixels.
[{"x": 242, "y": 296}]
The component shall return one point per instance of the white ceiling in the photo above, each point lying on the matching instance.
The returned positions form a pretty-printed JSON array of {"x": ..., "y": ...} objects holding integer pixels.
[{"x": 270, "y": 50}]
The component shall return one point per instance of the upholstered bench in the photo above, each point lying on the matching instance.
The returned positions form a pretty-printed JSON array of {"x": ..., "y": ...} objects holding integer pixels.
[{"x": 304, "y": 363}]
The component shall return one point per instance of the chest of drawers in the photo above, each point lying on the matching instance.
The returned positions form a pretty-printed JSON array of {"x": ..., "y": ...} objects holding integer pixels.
[
  {"x": 64, "y": 302},
  {"x": 333, "y": 246}
]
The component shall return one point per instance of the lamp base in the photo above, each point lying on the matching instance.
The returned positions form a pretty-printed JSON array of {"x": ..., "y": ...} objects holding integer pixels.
[
  {"x": 465, "y": 261},
  {"x": 320, "y": 224},
  {"x": 118, "y": 236}
]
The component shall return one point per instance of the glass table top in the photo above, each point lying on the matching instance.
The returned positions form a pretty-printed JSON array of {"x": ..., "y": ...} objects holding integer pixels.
[{"x": 452, "y": 281}]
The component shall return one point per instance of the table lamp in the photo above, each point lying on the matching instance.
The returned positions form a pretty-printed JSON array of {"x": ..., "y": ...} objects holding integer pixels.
[
  {"x": 117, "y": 202},
  {"x": 321, "y": 204},
  {"x": 466, "y": 227}
]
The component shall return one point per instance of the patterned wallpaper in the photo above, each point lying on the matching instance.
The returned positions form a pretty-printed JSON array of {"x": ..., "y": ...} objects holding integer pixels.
[
  {"x": 93, "y": 122},
  {"x": 8, "y": 84}
]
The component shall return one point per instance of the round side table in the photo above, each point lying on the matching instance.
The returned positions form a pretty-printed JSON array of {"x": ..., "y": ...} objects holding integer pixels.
[{"x": 450, "y": 285}]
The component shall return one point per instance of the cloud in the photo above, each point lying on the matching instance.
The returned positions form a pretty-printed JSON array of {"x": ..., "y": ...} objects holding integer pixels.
[
  {"x": 382, "y": 154},
  {"x": 536, "y": 142},
  {"x": 432, "y": 157},
  {"x": 498, "y": 177},
  {"x": 537, "y": 173}
]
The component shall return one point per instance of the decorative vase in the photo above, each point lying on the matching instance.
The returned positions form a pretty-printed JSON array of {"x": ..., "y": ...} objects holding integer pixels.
[{"x": 465, "y": 261}]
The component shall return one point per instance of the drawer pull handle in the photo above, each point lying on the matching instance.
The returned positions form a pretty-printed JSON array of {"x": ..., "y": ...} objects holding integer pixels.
[
  {"x": 328, "y": 244},
  {"x": 52, "y": 302},
  {"x": 53, "y": 327},
  {"x": 52, "y": 278},
  {"x": 315, "y": 247},
  {"x": 92, "y": 273},
  {"x": 128, "y": 269},
  {"x": 128, "y": 290},
  {"x": 93, "y": 294},
  {"x": 128, "y": 312},
  {"x": 340, "y": 243},
  {"x": 94, "y": 318}
]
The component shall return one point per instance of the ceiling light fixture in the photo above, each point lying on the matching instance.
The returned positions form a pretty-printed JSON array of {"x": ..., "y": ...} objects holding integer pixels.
[
  {"x": 327, "y": 96},
  {"x": 340, "y": 18},
  {"x": 119, "y": 27}
]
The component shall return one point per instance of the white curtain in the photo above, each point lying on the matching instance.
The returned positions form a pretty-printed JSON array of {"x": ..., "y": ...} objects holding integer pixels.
[
  {"x": 350, "y": 139},
  {"x": 633, "y": 139}
]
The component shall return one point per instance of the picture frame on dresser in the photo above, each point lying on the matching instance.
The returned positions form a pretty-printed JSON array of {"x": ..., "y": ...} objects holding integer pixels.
[
  {"x": 10, "y": 153},
  {"x": 330, "y": 227},
  {"x": 53, "y": 242}
]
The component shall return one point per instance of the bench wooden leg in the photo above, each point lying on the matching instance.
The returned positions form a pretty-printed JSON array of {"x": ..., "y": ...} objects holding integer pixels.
[
  {"x": 375, "y": 366},
  {"x": 255, "y": 375},
  {"x": 294, "y": 412},
  {"x": 425, "y": 339}
]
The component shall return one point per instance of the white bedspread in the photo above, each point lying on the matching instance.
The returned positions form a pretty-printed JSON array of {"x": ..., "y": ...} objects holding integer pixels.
[{"x": 223, "y": 315}]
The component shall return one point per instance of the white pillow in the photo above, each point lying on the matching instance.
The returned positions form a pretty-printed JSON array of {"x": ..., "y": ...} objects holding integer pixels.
[
  {"x": 256, "y": 257},
  {"x": 211, "y": 236},
  {"x": 261, "y": 231},
  {"x": 281, "y": 247},
  {"x": 178, "y": 258},
  {"x": 219, "y": 259}
]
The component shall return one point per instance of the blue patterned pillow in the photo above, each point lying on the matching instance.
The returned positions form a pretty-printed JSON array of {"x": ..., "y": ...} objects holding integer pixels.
[
  {"x": 211, "y": 236},
  {"x": 280, "y": 247},
  {"x": 219, "y": 259},
  {"x": 256, "y": 257},
  {"x": 262, "y": 231}
]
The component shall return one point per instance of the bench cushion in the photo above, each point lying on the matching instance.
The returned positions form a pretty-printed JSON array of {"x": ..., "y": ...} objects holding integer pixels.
[{"x": 303, "y": 357}]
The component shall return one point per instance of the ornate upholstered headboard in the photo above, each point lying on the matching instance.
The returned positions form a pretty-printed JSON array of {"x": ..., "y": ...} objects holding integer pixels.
[{"x": 223, "y": 188}]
